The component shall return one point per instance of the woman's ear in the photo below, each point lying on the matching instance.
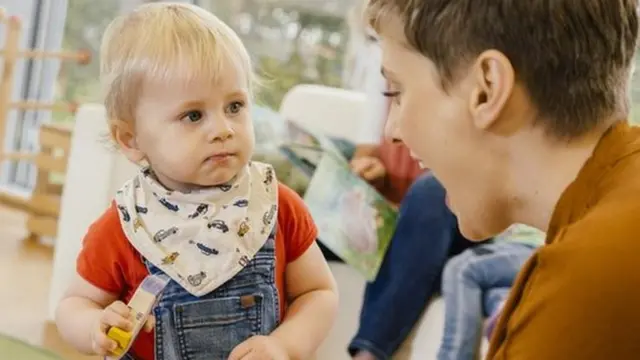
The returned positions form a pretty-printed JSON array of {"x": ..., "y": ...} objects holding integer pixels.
[
  {"x": 124, "y": 135},
  {"x": 494, "y": 82}
]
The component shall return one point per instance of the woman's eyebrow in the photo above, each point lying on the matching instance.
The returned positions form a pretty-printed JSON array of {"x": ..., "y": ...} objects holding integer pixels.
[{"x": 386, "y": 73}]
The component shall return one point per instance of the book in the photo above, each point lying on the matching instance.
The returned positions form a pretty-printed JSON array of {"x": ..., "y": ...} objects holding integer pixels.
[{"x": 354, "y": 220}]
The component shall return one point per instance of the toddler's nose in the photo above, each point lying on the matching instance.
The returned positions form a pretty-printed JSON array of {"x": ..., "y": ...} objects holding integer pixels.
[{"x": 220, "y": 131}]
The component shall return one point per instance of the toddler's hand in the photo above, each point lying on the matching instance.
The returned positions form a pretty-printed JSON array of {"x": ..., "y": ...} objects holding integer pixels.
[
  {"x": 117, "y": 314},
  {"x": 259, "y": 348}
]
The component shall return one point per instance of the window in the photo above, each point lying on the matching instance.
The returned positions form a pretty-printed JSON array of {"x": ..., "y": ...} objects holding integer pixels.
[
  {"x": 34, "y": 81},
  {"x": 85, "y": 23},
  {"x": 291, "y": 41}
]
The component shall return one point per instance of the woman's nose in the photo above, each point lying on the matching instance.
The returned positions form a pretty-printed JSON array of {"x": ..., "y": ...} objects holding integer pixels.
[{"x": 391, "y": 130}]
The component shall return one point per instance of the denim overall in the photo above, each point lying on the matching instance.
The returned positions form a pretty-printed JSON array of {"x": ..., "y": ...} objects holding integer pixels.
[{"x": 210, "y": 327}]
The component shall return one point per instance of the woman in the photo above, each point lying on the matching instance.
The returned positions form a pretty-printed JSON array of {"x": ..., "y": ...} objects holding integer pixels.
[{"x": 530, "y": 126}]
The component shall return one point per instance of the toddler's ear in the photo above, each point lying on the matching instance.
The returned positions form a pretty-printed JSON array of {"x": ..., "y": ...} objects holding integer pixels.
[{"x": 124, "y": 136}]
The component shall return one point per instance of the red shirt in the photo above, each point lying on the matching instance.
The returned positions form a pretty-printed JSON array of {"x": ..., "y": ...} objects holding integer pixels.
[
  {"x": 402, "y": 169},
  {"x": 108, "y": 261}
]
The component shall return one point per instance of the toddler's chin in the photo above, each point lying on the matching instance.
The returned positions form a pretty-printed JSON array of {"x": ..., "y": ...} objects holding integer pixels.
[{"x": 219, "y": 177}]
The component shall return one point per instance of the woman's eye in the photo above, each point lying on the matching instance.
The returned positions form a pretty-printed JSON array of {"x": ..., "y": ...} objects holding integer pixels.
[
  {"x": 395, "y": 95},
  {"x": 235, "y": 107},
  {"x": 193, "y": 116}
]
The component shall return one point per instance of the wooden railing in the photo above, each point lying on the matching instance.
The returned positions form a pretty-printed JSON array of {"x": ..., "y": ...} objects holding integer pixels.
[{"x": 44, "y": 204}]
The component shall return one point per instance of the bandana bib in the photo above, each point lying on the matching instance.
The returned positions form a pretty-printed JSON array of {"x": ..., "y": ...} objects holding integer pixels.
[{"x": 203, "y": 238}]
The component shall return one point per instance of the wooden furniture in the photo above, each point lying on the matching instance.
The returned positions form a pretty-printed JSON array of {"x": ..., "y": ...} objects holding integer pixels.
[
  {"x": 43, "y": 205},
  {"x": 55, "y": 143}
]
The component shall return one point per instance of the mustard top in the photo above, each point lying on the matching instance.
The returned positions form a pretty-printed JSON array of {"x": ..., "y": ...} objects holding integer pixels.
[{"x": 578, "y": 297}]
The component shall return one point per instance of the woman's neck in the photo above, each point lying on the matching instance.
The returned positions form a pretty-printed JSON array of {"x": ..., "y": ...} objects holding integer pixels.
[{"x": 540, "y": 177}]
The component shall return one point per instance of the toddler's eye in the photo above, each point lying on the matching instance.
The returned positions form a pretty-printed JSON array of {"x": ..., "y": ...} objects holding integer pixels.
[
  {"x": 192, "y": 116},
  {"x": 235, "y": 107}
]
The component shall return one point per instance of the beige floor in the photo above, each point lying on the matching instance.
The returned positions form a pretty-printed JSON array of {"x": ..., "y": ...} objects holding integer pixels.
[{"x": 25, "y": 270}]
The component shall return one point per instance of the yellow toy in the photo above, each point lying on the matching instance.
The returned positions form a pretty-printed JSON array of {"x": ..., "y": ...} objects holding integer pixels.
[
  {"x": 122, "y": 338},
  {"x": 141, "y": 305}
]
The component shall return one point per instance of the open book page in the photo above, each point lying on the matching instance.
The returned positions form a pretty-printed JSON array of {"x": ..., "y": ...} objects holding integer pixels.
[{"x": 353, "y": 219}]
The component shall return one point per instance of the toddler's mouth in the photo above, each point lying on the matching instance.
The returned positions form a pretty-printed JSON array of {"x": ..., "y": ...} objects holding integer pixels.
[{"x": 222, "y": 156}]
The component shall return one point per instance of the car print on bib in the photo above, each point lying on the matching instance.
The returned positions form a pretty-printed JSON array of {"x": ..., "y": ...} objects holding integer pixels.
[
  {"x": 205, "y": 250},
  {"x": 244, "y": 227},
  {"x": 141, "y": 209},
  {"x": 268, "y": 177},
  {"x": 164, "y": 233},
  {"x": 196, "y": 280},
  {"x": 242, "y": 203},
  {"x": 125, "y": 213},
  {"x": 168, "y": 205},
  {"x": 137, "y": 223},
  {"x": 170, "y": 259},
  {"x": 224, "y": 187},
  {"x": 200, "y": 210},
  {"x": 219, "y": 225}
]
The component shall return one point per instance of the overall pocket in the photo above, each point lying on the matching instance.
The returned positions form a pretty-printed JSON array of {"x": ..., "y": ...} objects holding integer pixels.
[{"x": 210, "y": 329}]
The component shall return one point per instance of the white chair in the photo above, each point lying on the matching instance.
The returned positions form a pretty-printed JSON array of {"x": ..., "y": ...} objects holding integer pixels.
[
  {"x": 341, "y": 113},
  {"x": 94, "y": 173},
  {"x": 332, "y": 111}
]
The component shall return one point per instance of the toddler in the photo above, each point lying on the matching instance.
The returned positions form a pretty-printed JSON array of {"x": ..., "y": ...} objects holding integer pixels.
[{"x": 247, "y": 280}]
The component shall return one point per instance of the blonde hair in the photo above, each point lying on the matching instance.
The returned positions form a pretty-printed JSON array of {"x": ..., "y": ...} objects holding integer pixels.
[{"x": 163, "y": 41}]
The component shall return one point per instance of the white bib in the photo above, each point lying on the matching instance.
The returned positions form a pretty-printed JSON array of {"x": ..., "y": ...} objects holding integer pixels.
[{"x": 203, "y": 238}]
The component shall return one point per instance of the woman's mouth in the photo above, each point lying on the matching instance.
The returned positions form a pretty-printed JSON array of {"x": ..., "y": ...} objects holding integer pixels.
[{"x": 415, "y": 157}]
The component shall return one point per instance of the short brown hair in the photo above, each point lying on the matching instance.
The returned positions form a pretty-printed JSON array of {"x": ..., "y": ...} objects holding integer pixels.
[{"x": 573, "y": 56}]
